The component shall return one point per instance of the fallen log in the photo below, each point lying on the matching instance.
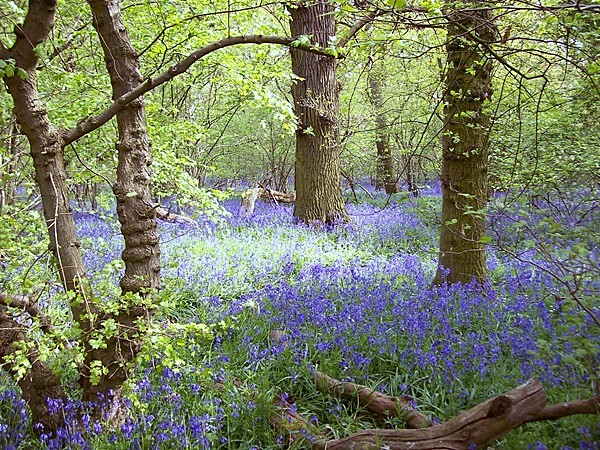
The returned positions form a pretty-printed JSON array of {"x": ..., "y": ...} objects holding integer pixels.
[
  {"x": 168, "y": 216},
  {"x": 249, "y": 197},
  {"x": 276, "y": 196},
  {"x": 475, "y": 428},
  {"x": 383, "y": 406}
]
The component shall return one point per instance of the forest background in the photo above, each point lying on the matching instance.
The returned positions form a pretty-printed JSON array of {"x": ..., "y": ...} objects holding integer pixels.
[{"x": 481, "y": 119}]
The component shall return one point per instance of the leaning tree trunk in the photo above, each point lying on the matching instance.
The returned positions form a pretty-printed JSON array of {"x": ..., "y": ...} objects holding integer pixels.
[
  {"x": 134, "y": 202},
  {"x": 316, "y": 103},
  {"x": 51, "y": 178},
  {"x": 385, "y": 178},
  {"x": 465, "y": 145}
]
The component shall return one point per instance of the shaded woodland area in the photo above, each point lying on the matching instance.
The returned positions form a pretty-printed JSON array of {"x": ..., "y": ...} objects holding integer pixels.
[{"x": 178, "y": 126}]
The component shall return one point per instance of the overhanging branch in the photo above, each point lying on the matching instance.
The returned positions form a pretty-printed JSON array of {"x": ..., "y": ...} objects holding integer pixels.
[{"x": 92, "y": 123}]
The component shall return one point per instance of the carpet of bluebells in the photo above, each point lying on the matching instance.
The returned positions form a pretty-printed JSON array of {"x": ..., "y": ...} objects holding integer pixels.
[{"x": 281, "y": 300}]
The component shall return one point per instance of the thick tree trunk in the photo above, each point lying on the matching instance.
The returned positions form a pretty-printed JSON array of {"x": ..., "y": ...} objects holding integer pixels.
[
  {"x": 386, "y": 178},
  {"x": 134, "y": 202},
  {"x": 316, "y": 103},
  {"x": 465, "y": 145}
]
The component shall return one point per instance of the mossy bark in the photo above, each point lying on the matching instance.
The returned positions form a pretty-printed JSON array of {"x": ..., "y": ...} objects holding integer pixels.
[
  {"x": 465, "y": 145},
  {"x": 316, "y": 103}
]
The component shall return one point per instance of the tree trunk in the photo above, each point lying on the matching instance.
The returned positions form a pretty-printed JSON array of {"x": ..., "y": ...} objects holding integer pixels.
[
  {"x": 8, "y": 192},
  {"x": 316, "y": 103},
  {"x": 51, "y": 178},
  {"x": 465, "y": 145},
  {"x": 411, "y": 178},
  {"x": 134, "y": 202},
  {"x": 385, "y": 177}
]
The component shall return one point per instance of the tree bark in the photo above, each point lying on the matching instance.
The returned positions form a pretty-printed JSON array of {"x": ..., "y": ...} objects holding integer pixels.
[
  {"x": 316, "y": 103},
  {"x": 465, "y": 146},
  {"x": 51, "y": 178},
  {"x": 385, "y": 173},
  {"x": 134, "y": 202}
]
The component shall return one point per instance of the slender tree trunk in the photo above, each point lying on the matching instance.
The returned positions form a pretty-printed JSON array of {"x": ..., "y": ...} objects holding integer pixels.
[
  {"x": 51, "y": 178},
  {"x": 410, "y": 176},
  {"x": 465, "y": 145},
  {"x": 8, "y": 189},
  {"x": 386, "y": 178},
  {"x": 134, "y": 202},
  {"x": 316, "y": 103}
]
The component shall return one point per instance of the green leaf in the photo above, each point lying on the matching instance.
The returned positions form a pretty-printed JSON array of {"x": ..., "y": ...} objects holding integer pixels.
[
  {"x": 485, "y": 240},
  {"x": 396, "y": 4},
  {"x": 22, "y": 74},
  {"x": 301, "y": 41},
  {"x": 331, "y": 51}
]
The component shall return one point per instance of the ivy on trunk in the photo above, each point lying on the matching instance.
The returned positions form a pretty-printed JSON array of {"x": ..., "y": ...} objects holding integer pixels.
[
  {"x": 316, "y": 103},
  {"x": 465, "y": 144}
]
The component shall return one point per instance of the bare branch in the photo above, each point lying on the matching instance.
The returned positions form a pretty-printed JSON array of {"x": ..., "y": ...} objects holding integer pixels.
[
  {"x": 361, "y": 23},
  {"x": 560, "y": 410}
]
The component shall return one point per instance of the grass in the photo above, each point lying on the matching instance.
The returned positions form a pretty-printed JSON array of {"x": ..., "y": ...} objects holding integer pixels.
[{"x": 355, "y": 303}]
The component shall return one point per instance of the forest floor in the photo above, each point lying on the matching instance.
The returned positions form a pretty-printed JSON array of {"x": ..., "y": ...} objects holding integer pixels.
[{"x": 249, "y": 310}]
